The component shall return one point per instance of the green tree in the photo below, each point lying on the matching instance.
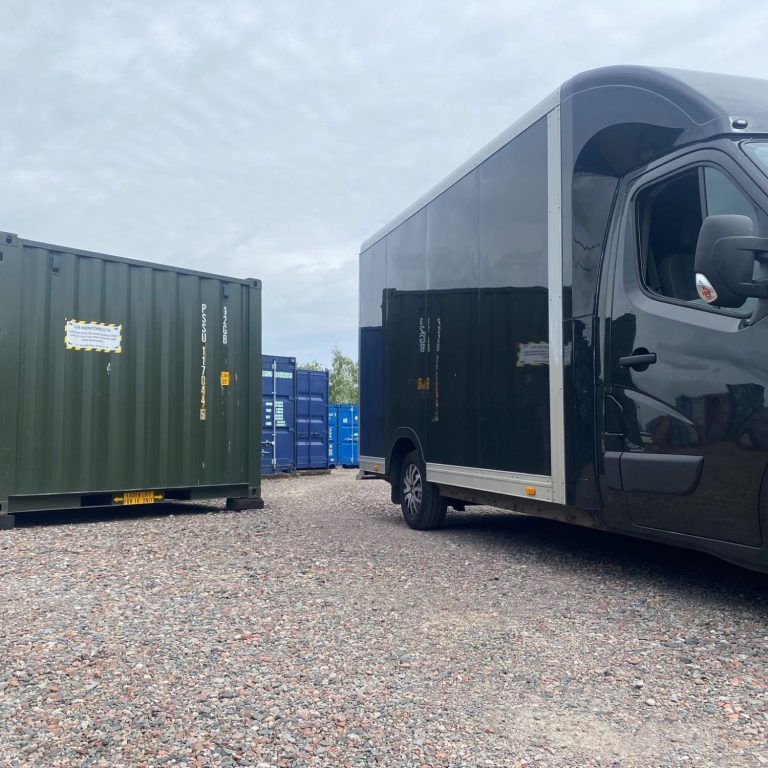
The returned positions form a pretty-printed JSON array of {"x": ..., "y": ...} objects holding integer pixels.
[
  {"x": 343, "y": 386},
  {"x": 342, "y": 378}
]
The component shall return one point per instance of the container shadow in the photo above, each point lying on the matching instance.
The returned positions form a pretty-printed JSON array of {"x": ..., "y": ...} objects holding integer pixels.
[
  {"x": 111, "y": 514},
  {"x": 645, "y": 563}
]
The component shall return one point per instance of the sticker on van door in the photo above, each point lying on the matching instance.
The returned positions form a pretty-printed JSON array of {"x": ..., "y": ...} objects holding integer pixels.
[
  {"x": 537, "y": 353},
  {"x": 533, "y": 353}
]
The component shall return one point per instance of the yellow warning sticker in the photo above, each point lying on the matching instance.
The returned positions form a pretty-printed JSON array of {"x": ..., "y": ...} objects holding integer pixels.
[
  {"x": 138, "y": 497},
  {"x": 224, "y": 378},
  {"x": 92, "y": 336}
]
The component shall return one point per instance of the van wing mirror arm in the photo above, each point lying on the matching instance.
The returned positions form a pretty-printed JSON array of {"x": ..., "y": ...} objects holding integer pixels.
[
  {"x": 758, "y": 248},
  {"x": 757, "y": 288},
  {"x": 757, "y": 245}
]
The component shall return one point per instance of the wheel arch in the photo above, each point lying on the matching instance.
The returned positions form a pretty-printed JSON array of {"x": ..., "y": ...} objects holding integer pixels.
[{"x": 404, "y": 440}]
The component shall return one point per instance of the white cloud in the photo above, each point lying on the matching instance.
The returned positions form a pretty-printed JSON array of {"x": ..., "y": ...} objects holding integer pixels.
[{"x": 269, "y": 140}]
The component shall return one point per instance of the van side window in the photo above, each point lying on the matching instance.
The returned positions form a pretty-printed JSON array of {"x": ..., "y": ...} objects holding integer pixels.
[
  {"x": 670, "y": 219},
  {"x": 670, "y": 214}
]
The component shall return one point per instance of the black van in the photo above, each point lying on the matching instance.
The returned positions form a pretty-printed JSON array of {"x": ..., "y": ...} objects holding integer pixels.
[{"x": 573, "y": 324}]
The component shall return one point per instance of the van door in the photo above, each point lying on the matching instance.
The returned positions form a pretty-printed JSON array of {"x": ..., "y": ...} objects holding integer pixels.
[{"x": 690, "y": 380}]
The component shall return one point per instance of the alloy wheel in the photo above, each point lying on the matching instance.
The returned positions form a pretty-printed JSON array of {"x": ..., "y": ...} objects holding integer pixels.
[{"x": 412, "y": 489}]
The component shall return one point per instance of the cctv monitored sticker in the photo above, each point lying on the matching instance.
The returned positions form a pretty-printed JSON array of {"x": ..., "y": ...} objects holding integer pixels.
[{"x": 92, "y": 336}]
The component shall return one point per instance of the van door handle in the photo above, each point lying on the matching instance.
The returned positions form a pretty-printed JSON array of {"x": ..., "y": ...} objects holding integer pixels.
[{"x": 640, "y": 359}]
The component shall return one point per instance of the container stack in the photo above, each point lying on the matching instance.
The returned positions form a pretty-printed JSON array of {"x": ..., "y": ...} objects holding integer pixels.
[
  {"x": 295, "y": 416},
  {"x": 343, "y": 435}
]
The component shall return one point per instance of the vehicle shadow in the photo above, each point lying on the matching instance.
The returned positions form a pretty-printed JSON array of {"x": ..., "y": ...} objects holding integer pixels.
[
  {"x": 610, "y": 554},
  {"x": 110, "y": 514}
]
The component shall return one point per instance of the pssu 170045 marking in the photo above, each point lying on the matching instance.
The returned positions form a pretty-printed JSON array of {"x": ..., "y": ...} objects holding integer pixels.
[{"x": 203, "y": 362}]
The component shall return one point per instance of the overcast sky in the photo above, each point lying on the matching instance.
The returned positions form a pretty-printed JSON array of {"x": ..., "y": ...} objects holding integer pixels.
[{"x": 265, "y": 139}]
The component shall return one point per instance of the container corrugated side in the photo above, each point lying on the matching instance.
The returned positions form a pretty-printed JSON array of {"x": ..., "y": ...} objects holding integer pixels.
[{"x": 119, "y": 375}]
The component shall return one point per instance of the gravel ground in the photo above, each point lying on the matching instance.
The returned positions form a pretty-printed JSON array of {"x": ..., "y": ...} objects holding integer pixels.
[{"x": 321, "y": 631}]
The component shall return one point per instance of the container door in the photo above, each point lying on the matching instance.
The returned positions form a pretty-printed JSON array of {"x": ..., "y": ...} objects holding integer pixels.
[
  {"x": 333, "y": 412},
  {"x": 302, "y": 420},
  {"x": 268, "y": 417},
  {"x": 348, "y": 435},
  {"x": 686, "y": 381},
  {"x": 312, "y": 420},
  {"x": 278, "y": 402},
  {"x": 345, "y": 435},
  {"x": 318, "y": 419},
  {"x": 355, "y": 436}
]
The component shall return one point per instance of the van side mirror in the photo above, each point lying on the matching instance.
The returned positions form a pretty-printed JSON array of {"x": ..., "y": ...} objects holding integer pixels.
[{"x": 725, "y": 254}]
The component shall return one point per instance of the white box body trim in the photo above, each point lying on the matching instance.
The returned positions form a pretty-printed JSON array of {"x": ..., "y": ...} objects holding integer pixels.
[
  {"x": 372, "y": 464},
  {"x": 491, "y": 481}
]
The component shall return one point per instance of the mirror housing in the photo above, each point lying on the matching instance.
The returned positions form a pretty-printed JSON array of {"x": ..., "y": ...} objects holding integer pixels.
[{"x": 725, "y": 254}]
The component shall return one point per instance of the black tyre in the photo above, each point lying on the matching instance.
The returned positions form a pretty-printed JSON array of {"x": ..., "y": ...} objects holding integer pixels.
[{"x": 423, "y": 509}]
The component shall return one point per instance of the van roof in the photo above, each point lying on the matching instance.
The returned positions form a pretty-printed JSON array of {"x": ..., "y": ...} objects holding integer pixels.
[
  {"x": 703, "y": 96},
  {"x": 708, "y": 105}
]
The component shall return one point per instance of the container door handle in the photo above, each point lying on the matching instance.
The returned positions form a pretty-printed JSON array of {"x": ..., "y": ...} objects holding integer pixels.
[{"x": 640, "y": 359}]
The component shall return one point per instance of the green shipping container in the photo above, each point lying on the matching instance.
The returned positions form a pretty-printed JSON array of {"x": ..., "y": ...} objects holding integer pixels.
[{"x": 124, "y": 382}]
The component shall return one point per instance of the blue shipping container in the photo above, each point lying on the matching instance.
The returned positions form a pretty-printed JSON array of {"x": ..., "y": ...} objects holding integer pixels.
[
  {"x": 311, "y": 419},
  {"x": 278, "y": 385},
  {"x": 349, "y": 436},
  {"x": 344, "y": 437}
]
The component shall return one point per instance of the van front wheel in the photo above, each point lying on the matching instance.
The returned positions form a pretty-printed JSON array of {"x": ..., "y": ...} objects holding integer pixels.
[{"x": 423, "y": 508}]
